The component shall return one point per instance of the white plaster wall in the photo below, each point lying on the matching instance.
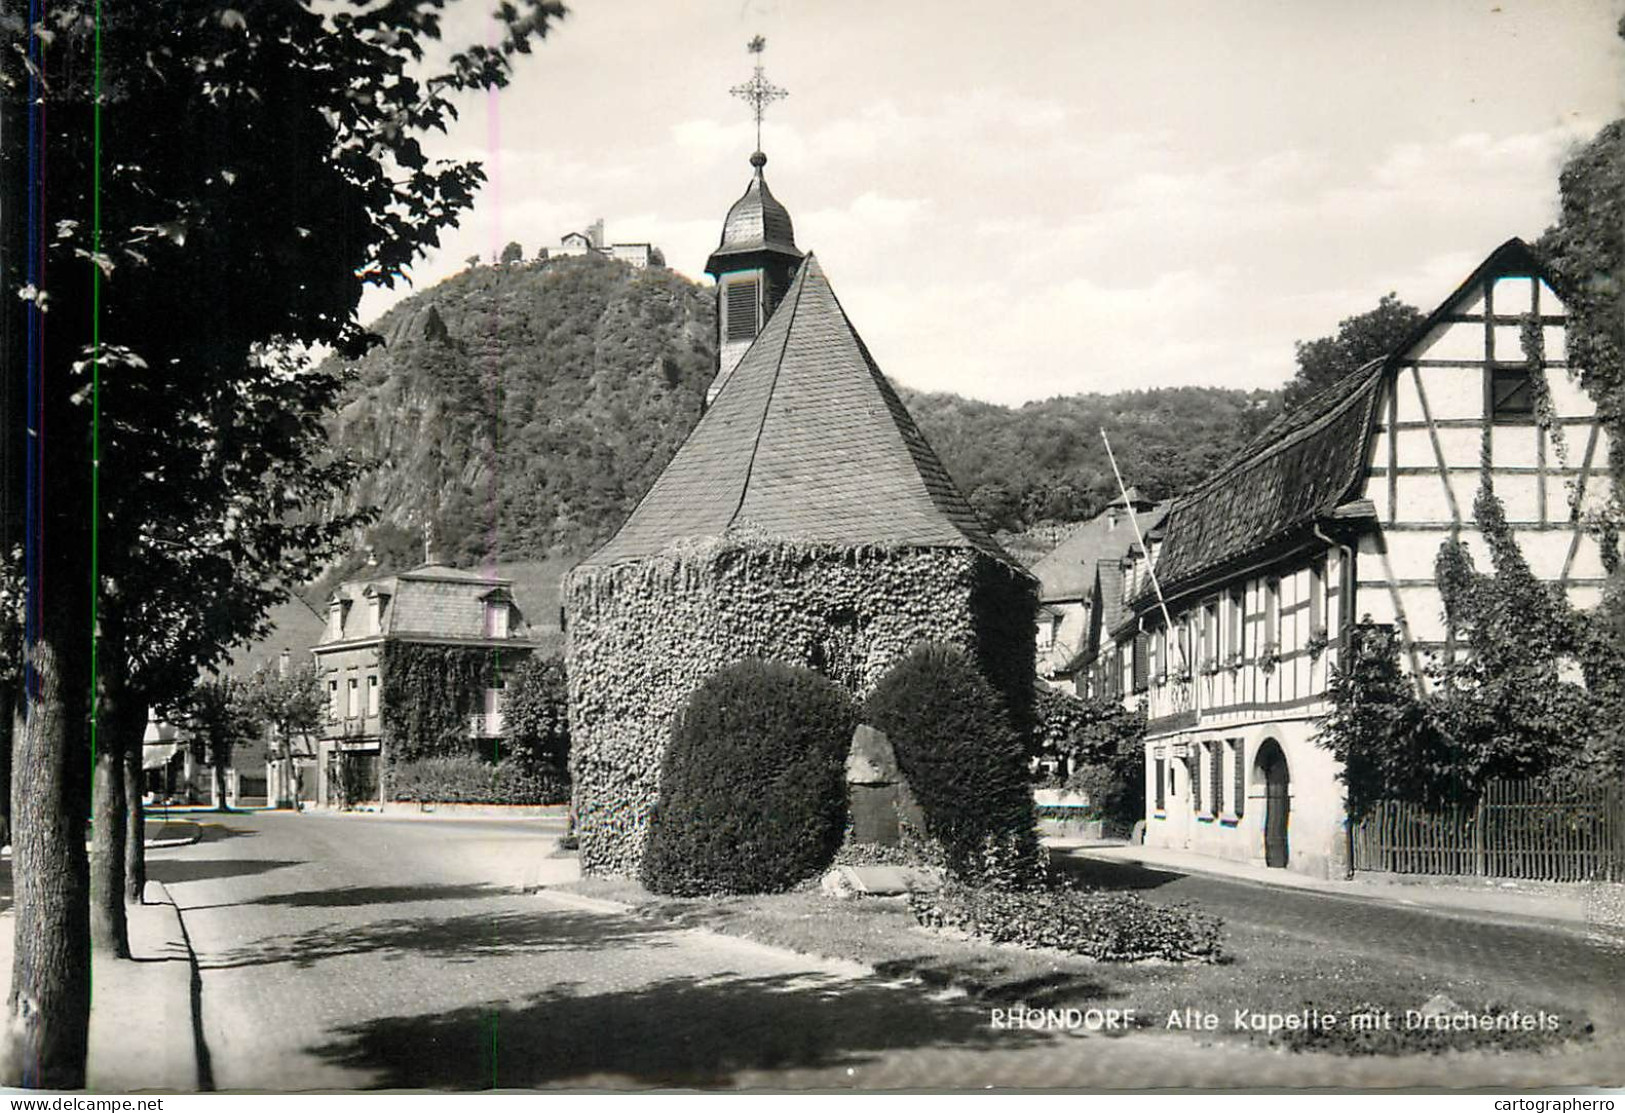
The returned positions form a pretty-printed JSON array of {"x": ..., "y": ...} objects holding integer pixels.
[
  {"x": 1462, "y": 341},
  {"x": 1315, "y": 832}
]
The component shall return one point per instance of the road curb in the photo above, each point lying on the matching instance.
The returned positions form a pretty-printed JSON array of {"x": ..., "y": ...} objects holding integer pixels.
[
  {"x": 1551, "y": 920},
  {"x": 158, "y": 893}
]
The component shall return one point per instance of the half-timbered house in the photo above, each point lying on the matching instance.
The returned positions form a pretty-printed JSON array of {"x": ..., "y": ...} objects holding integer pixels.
[{"x": 1335, "y": 513}]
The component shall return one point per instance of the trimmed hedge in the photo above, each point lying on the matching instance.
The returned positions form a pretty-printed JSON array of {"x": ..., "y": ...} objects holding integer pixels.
[
  {"x": 468, "y": 779},
  {"x": 1116, "y": 926},
  {"x": 753, "y": 787},
  {"x": 964, "y": 762}
]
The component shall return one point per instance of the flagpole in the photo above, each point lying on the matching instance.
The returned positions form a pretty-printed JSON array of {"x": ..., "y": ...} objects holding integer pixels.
[{"x": 1150, "y": 565}]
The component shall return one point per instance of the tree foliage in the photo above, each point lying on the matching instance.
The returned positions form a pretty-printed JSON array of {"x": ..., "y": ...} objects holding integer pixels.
[
  {"x": 1357, "y": 341},
  {"x": 1505, "y": 701},
  {"x": 536, "y": 711},
  {"x": 216, "y": 716},
  {"x": 224, "y": 183},
  {"x": 1586, "y": 249},
  {"x": 1044, "y": 461}
]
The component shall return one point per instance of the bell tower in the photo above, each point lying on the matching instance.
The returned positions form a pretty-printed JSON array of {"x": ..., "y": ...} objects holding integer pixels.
[{"x": 757, "y": 257}]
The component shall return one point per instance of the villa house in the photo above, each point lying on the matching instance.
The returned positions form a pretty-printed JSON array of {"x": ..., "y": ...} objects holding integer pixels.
[
  {"x": 432, "y": 605},
  {"x": 1336, "y": 512}
]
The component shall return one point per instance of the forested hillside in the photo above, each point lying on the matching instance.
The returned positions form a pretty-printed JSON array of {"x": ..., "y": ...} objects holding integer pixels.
[
  {"x": 524, "y": 408},
  {"x": 1045, "y": 461}
]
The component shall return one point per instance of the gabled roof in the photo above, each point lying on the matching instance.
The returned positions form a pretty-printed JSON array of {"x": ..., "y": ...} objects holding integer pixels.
[
  {"x": 1306, "y": 464},
  {"x": 1068, "y": 570},
  {"x": 806, "y": 441}
]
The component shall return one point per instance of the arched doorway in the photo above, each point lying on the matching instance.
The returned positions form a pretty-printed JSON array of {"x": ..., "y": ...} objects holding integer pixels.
[{"x": 1272, "y": 770}]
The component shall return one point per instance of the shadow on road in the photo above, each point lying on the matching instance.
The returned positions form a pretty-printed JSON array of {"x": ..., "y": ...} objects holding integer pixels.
[
  {"x": 356, "y": 896},
  {"x": 677, "y": 1032},
  {"x": 1112, "y": 875},
  {"x": 175, "y": 871},
  {"x": 459, "y": 939}
]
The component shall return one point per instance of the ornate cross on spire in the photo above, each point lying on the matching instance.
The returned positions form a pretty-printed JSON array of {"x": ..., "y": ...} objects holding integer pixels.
[{"x": 758, "y": 92}]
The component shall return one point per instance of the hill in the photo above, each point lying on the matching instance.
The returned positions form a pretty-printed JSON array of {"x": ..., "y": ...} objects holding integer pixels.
[
  {"x": 1044, "y": 462},
  {"x": 525, "y": 408}
]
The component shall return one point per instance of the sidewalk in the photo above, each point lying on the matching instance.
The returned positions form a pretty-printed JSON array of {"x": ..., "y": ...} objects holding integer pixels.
[
  {"x": 142, "y": 1027},
  {"x": 1591, "y": 905}
]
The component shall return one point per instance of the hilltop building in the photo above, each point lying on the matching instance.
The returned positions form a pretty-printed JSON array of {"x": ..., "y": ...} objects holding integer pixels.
[
  {"x": 1068, "y": 577},
  {"x": 591, "y": 242},
  {"x": 1335, "y": 512},
  {"x": 805, "y": 519}
]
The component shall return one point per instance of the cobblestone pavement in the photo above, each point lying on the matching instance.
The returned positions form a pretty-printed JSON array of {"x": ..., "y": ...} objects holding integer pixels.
[{"x": 352, "y": 952}]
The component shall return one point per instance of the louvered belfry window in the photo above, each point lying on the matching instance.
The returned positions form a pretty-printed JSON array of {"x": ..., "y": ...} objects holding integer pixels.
[{"x": 742, "y": 305}]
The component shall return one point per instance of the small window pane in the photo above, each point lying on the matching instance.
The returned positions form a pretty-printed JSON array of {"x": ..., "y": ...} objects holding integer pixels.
[{"x": 1510, "y": 392}]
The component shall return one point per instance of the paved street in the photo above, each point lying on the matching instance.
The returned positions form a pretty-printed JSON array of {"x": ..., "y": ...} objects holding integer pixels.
[
  {"x": 363, "y": 951},
  {"x": 1551, "y": 962}
]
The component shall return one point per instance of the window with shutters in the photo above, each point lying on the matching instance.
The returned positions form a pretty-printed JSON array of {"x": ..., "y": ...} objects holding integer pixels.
[
  {"x": 1193, "y": 770},
  {"x": 741, "y": 310},
  {"x": 1233, "y": 622},
  {"x": 1317, "y": 595},
  {"x": 1210, "y": 634},
  {"x": 1237, "y": 752},
  {"x": 1141, "y": 661},
  {"x": 1162, "y": 796},
  {"x": 1216, "y": 755}
]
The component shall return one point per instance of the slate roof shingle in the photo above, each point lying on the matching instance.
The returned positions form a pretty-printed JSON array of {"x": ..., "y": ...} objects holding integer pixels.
[
  {"x": 1068, "y": 570},
  {"x": 806, "y": 441}
]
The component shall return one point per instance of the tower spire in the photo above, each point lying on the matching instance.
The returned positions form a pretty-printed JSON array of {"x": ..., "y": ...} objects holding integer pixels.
[{"x": 758, "y": 92}]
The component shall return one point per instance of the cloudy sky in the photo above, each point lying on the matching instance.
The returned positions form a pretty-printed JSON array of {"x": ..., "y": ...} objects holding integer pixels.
[{"x": 1039, "y": 198}]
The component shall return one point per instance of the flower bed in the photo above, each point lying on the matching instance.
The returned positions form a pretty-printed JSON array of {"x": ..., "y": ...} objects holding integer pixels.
[{"x": 1113, "y": 926}]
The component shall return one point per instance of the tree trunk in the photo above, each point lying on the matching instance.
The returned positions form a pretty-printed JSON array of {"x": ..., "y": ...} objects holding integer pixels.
[
  {"x": 109, "y": 929},
  {"x": 49, "y": 1003},
  {"x": 10, "y": 728},
  {"x": 132, "y": 724},
  {"x": 220, "y": 784}
]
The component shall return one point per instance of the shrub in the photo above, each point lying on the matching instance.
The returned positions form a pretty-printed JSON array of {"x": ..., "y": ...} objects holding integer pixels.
[
  {"x": 470, "y": 779},
  {"x": 963, "y": 761},
  {"x": 1116, "y": 794},
  {"x": 1115, "y": 926},
  {"x": 752, "y": 785}
]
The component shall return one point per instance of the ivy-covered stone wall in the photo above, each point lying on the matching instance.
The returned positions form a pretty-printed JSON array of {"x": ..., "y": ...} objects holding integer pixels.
[{"x": 643, "y": 636}]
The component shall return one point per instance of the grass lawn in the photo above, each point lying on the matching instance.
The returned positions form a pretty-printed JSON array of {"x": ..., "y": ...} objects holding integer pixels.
[{"x": 1263, "y": 971}]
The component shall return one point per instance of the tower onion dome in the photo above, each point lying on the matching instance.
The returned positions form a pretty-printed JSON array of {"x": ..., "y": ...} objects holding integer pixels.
[{"x": 757, "y": 223}]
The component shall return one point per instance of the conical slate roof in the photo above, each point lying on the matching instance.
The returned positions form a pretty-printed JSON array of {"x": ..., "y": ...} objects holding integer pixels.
[
  {"x": 757, "y": 222},
  {"x": 806, "y": 441}
]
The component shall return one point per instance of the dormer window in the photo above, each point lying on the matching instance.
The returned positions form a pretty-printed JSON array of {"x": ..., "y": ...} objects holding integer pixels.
[
  {"x": 496, "y": 618},
  {"x": 335, "y": 618}
]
